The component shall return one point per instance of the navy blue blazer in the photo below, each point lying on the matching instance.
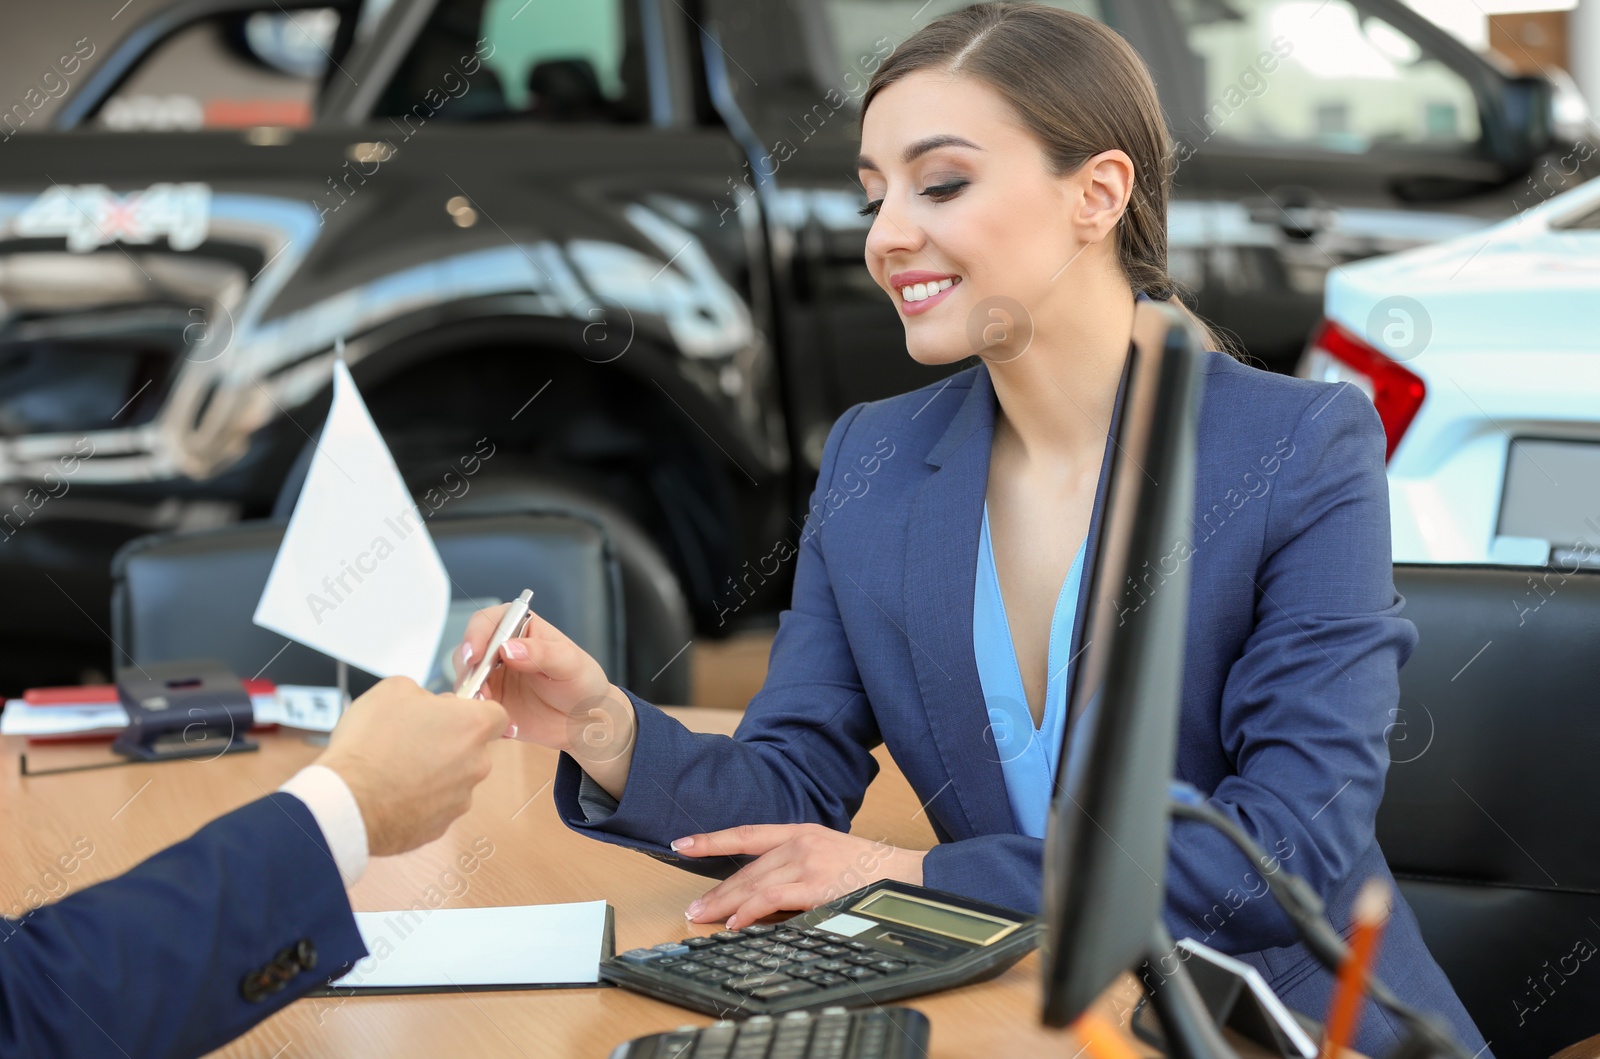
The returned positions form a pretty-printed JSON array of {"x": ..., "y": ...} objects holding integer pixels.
[
  {"x": 159, "y": 961},
  {"x": 1294, "y": 646}
]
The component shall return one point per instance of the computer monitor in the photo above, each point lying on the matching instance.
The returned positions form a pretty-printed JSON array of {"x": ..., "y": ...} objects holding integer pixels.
[{"x": 1106, "y": 846}]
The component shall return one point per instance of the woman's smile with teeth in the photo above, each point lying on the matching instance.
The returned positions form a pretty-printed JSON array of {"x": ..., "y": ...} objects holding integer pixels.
[{"x": 918, "y": 291}]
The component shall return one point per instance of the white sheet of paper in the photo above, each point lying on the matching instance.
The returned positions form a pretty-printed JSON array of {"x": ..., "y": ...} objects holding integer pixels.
[
  {"x": 513, "y": 945},
  {"x": 357, "y": 576},
  {"x": 20, "y": 718}
]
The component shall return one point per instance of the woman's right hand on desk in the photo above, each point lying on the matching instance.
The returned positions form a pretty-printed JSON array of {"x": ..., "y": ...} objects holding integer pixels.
[{"x": 556, "y": 695}]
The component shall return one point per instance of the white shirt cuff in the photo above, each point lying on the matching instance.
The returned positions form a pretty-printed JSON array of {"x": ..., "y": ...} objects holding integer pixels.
[{"x": 333, "y": 806}]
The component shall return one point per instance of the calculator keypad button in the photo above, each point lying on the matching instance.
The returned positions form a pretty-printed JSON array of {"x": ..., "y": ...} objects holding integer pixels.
[
  {"x": 782, "y": 989},
  {"x": 829, "y": 979},
  {"x": 831, "y": 965},
  {"x": 759, "y": 929},
  {"x": 862, "y": 959},
  {"x": 859, "y": 973},
  {"x": 834, "y": 950},
  {"x": 728, "y": 935},
  {"x": 640, "y": 956},
  {"x": 808, "y": 943},
  {"x": 751, "y": 982},
  {"x": 888, "y": 966},
  {"x": 699, "y": 943}
]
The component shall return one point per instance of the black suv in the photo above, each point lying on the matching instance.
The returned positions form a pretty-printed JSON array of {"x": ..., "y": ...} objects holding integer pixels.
[{"x": 613, "y": 244}]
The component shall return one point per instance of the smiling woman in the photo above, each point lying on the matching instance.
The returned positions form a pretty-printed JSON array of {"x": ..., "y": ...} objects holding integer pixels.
[
  {"x": 1014, "y": 159},
  {"x": 1074, "y": 98}
]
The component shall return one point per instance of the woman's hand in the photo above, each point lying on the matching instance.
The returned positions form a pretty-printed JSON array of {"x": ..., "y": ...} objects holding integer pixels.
[
  {"x": 556, "y": 695},
  {"x": 797, "y": 867}
]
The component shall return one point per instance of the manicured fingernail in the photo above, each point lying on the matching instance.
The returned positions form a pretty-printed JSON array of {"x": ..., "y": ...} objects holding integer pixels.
[
  {"x": 511, "y": 731},
  {"x": 466, "y": 655},
  {"x": 515, "y": 649},
  {"x": 733, "y": 922},
  {"x": 694, "y": 909},
  {"x": 680, "y": 844}
]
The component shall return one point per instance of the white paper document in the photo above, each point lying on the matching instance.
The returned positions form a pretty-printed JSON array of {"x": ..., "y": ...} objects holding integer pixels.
[
  {"x": 515, "y": 945},
  {"x": 357, "y": 576},
  {"x": 22, "y": 719}
]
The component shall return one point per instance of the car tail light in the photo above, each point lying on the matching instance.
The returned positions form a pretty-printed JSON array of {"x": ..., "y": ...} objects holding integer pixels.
[{"x": 1336, "y": 355}]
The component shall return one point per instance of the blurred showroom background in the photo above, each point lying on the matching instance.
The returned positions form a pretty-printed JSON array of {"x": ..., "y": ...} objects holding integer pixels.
[{"x": 185, "y": 336}]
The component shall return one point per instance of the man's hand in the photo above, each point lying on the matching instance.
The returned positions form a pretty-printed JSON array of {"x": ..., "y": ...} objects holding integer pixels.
[
  {"x": 797, "y": 867},
  {"x": 411, "y": 758}
]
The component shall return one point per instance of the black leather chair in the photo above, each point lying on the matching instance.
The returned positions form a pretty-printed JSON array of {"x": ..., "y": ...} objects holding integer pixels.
[
  {"x": 1491, "y": 815},
  {"x": 659, "y": 627},
  {"x": 191, "y": 595}
]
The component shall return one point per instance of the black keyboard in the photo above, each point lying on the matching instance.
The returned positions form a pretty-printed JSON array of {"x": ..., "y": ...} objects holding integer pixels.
[{"x": 832, "y": 1033}]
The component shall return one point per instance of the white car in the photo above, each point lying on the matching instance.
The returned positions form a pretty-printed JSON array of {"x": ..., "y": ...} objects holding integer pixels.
[{"x": 1482, "y": 356}]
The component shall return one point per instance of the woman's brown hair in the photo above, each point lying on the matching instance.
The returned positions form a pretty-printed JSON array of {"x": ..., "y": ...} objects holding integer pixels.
[{"x": 1080, "y": 89}]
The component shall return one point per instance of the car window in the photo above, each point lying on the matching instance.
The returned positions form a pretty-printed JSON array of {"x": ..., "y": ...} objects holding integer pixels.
[
  {"x": 862, "y": 29},
  {"x": 537, "y": 60},
  {"x": 229, "y": 71},
  {"x": 1321, "y": 73}
]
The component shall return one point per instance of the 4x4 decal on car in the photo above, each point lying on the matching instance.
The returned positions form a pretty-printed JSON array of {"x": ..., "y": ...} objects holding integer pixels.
[{"x": 92, "y": 215}]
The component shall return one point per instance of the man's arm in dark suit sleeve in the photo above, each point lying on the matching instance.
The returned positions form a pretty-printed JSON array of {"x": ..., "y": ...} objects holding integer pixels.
[{"x": 160, "y": 961}]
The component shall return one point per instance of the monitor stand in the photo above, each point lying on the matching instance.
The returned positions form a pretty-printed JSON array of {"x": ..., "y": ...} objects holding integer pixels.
[{"x": 1186, "y": 1021}]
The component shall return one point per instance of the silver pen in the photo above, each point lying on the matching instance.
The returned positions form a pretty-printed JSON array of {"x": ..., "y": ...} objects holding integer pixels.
[{"x": 511, "y": 626}]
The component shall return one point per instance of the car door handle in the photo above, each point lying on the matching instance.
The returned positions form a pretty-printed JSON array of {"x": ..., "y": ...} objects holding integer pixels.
[{"x": 1297, "y": 222}]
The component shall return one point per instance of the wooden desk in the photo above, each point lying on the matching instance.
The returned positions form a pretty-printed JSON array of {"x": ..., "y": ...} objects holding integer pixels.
[{"x": 520, "y": 854}]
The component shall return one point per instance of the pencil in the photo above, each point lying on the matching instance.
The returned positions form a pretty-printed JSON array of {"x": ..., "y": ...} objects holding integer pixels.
[{"x": 1371, "y": 911}]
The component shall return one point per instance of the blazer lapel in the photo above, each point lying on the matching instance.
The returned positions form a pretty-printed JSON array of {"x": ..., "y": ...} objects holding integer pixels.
[{"x": 940, "y": 571}]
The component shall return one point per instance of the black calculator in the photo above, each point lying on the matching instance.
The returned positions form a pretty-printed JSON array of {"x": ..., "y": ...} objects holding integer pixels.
[{"x": 883, "y": 942}]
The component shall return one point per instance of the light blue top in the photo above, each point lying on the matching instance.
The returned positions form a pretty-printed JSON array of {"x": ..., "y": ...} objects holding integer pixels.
[{"x": 1028, "y": 755}]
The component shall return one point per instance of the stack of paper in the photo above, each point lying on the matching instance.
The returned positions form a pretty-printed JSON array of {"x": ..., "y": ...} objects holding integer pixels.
[
  {"x": 23, "y": 718},
  {"x": 93, "y": 710}
]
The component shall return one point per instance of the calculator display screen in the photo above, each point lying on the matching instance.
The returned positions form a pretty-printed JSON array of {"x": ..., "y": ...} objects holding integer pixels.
[{"x": 935, "y": 917}]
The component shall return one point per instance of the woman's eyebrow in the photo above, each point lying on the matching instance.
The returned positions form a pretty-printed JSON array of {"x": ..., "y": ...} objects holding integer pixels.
[{"x": 920, "y": 148}]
